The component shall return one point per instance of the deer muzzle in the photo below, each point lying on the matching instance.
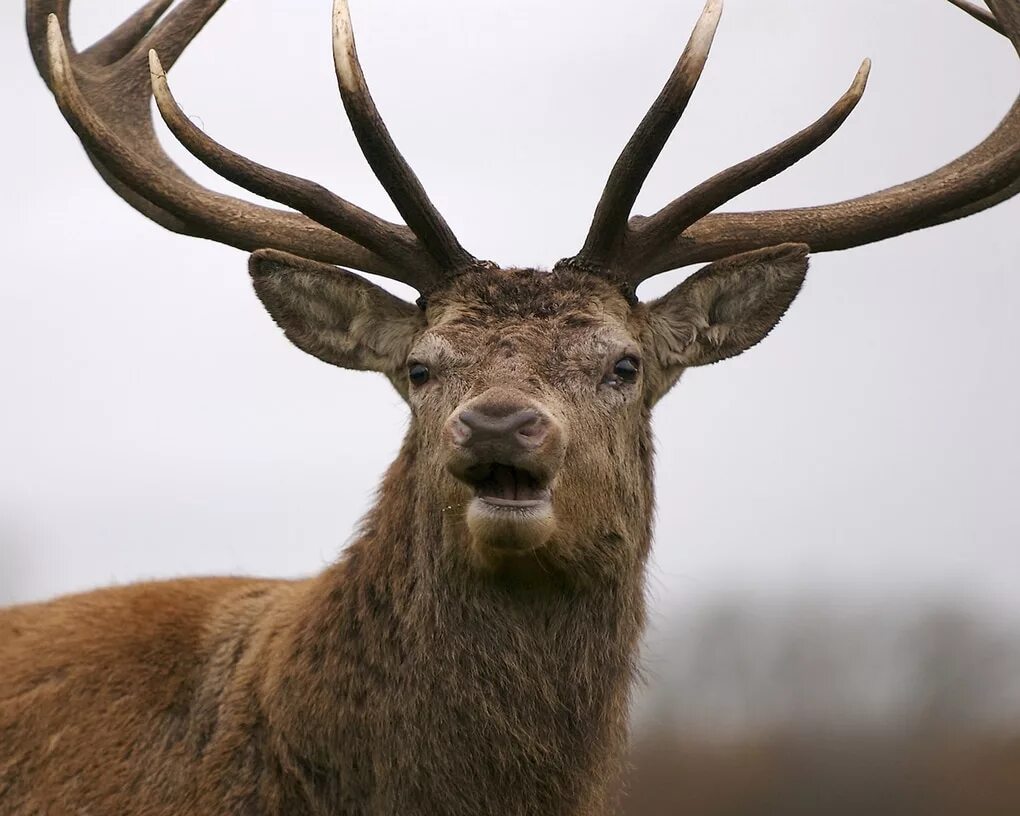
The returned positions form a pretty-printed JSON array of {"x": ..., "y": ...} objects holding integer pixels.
[{"x": 507, "y": 449}]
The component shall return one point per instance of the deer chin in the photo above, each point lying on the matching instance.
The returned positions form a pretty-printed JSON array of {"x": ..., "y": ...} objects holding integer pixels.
[
  {"x": 511, "y": 511},
  {"x": 512, "y": 528}
]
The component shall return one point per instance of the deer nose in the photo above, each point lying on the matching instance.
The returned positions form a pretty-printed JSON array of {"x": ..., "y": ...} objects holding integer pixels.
[{"x": 500, "y": 428}]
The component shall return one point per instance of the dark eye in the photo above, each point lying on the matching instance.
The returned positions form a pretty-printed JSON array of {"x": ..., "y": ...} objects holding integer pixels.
[
  {"x": 418, "y": 374},
  {"x": 626, "y": 369}
]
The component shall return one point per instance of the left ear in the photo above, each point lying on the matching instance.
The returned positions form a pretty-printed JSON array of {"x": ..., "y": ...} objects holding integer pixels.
[
  {"x": 336, "y": 315},
  {"x": 723, "y": 309}
]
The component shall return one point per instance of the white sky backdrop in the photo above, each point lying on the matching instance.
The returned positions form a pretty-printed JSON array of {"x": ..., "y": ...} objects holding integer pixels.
[{"x": 154, "y": 422}]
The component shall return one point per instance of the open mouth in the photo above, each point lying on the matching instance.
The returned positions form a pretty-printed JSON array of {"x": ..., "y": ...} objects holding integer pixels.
[{"x": 506, "y": 486}]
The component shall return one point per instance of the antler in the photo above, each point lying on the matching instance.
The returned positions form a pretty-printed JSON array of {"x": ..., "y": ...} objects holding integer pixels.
[
  {"x": 686, "y": 231},
  {"x": 104, "y": 94}
]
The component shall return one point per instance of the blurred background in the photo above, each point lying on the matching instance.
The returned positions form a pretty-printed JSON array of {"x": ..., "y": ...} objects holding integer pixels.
[
  {"x": 836, "y": 584},
  {"x": 811, "y": 705}
]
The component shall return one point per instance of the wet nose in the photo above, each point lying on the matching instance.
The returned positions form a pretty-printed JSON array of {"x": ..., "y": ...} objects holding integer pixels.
[{"x": 500, "y": 428}]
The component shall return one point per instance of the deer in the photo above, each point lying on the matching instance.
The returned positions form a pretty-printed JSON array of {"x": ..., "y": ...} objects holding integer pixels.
[{"x": 473, "y": 649}]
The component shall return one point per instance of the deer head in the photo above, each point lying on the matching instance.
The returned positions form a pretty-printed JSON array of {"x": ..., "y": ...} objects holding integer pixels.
[{"x": 530, "y": 391}]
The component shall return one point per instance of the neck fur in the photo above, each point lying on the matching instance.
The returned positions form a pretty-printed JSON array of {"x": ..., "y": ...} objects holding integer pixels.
[{"x": 411, "y": 681}]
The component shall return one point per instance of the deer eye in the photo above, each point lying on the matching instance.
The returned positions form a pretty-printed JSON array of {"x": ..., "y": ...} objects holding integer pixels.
[
  {"x": 418, "y": 374},
  {"x": 626, "y": 370}
]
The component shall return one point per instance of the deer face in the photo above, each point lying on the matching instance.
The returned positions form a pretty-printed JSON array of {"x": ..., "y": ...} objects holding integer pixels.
[
  {"x": 533, "y": 396},
  {"x": 531, "y": 391}
]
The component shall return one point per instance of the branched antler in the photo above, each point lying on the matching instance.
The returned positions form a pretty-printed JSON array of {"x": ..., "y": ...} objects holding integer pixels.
[
  {"x": 686, "y": 231},
  {"x": 104, "y": 93}
]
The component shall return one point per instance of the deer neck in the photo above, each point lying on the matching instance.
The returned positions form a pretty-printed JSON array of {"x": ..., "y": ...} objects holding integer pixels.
[{"x": 434, "y": 687}]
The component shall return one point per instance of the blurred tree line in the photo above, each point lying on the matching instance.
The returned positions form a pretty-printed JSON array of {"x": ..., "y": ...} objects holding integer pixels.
[{"x": 806, "y": 707}]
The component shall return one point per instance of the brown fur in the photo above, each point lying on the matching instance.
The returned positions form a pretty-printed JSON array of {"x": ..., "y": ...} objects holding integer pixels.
[{"x": 423, "y": 672}]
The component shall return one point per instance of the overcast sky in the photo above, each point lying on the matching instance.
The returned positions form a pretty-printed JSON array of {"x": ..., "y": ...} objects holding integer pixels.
[{"x": 155, "y": 423}]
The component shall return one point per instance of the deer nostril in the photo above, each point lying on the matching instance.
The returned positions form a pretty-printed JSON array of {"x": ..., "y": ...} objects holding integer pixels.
[
  {"x": 460, "y": 431},
  {"x": 471, "y": 420},
  {"x": 532, "y": 428}
]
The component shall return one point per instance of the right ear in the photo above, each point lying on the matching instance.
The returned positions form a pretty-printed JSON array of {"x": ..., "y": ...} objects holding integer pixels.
[
  {"x": 336, "y": 315},
  {"x": 722, "y": 310}
]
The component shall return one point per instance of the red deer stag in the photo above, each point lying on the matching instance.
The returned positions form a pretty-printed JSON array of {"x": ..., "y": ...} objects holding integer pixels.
[{"x": 472, "y": 651}]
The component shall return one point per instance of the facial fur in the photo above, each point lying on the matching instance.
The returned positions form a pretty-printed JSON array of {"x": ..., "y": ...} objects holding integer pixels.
[
  {"x": 557, "y": 371},
  {"x": 549, "y": 341}
]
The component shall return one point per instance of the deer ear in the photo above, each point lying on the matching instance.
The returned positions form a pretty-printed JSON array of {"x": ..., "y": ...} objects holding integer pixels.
[
  {"x": 724, "y": 308},
  {"x": 336, "y": 315}
]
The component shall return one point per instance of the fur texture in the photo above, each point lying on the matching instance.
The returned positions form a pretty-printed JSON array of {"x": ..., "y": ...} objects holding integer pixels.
[{"x": 422, "y": 673}]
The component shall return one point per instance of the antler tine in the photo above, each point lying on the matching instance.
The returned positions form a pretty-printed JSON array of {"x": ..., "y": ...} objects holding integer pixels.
[
  {"x": 110, "y": 114},
  {"x": 609, "y": 225},
  {"x": 389, "y": 166},
  {"x": 105, "y": 51},
  {"x": 176, "y": 31},
  {"x": 1007, "y": 13},
  {"x": 981, "y": 178},
  {"x": 979, "y": 13},
  {"x": 707, "y": 196},
  {"x": 119, "y": 42},
  {"x": 37, "y": 14},
  {"x": 395, "y": 242}
]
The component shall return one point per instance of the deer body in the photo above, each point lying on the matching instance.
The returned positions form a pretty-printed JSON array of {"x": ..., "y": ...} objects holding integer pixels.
[
  {"x": 405, "y": 678},
  {"x": 371, "y": 689},
  {"x": 374, "y": 688},
  {"x": 473, "y": 649}
]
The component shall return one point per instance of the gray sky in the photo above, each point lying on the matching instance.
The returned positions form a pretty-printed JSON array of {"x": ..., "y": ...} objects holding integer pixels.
[{"x": 155, "y": 423}]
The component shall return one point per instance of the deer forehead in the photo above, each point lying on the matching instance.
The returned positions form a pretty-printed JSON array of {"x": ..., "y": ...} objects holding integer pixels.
[
  {"x": 490, "y": 296},
  {"x": 517, "y": 317}
]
